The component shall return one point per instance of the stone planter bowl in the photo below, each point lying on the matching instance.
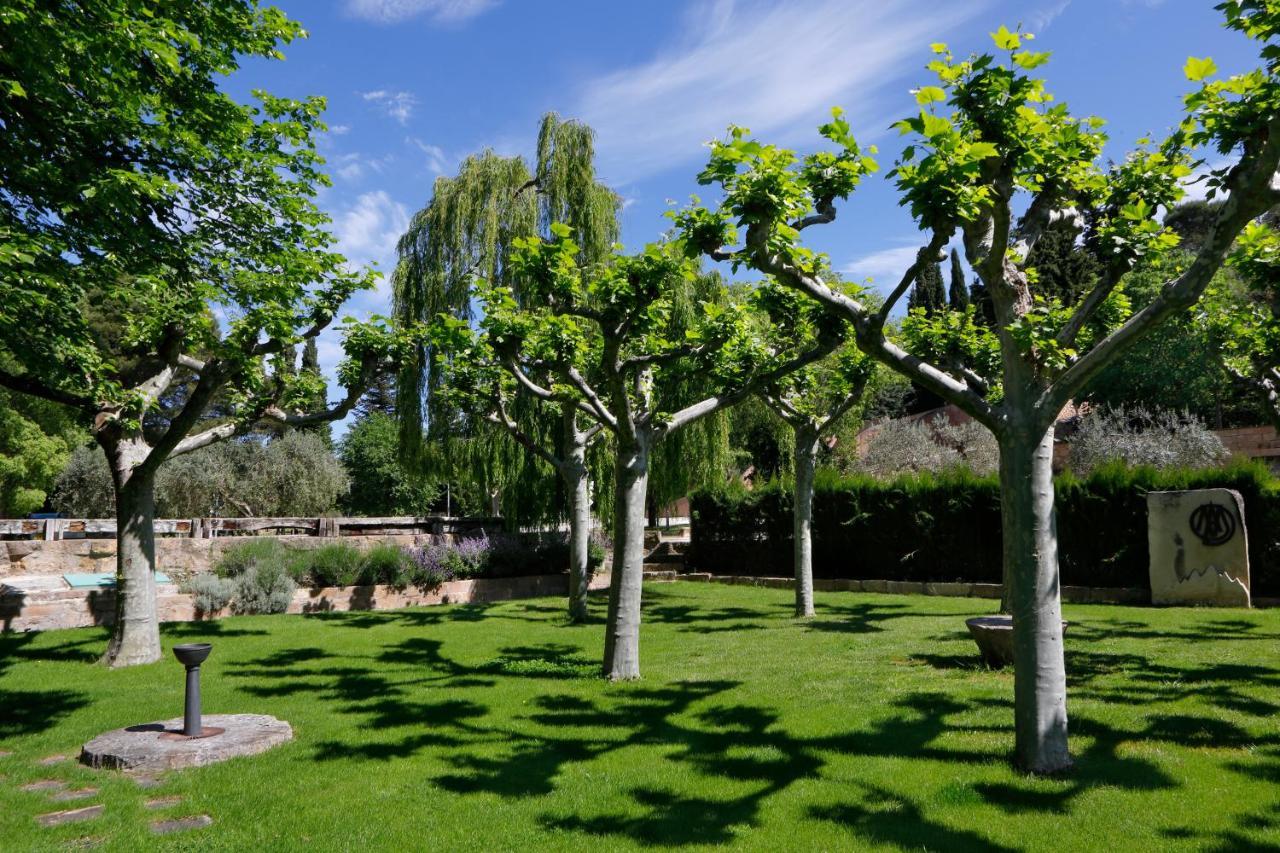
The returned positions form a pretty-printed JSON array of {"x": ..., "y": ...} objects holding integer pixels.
[{"x": 994, "y": 636}]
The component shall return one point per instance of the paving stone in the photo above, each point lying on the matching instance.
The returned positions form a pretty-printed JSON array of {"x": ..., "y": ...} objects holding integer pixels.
[
  {"x": 145, "y": 781},
  {"x": 162, "y": 802},
  {"x": 164, "y": 827},
  {"x": 157, "y": 746},
  {"x": 87, "y": 842},
  {"x": 52, "y": 759},
  {"x": 78, "y": 794},
  {"x": 70, "y": 816},
  {"x": 45, "y": 785}
]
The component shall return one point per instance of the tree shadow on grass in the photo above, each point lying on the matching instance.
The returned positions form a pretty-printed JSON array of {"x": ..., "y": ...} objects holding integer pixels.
[
  {"x": 24, "y": 712},
  {"x": 209, "y": 629},
  {"x": 732, "y": 746},
  {"x": 887, "y": 818},
  {"x": 865, "y": 617},
  {"x": 1129, "y": 679},
  {"x": 17, "y": 648}
]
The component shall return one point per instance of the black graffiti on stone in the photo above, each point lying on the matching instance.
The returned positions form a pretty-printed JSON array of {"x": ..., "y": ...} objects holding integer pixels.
[{"x": 1213, "y": 523}]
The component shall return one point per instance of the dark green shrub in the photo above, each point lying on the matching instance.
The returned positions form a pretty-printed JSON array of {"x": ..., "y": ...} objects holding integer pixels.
[
  {"x": 242, "y": 557},
  {"x": 386, "y": 564},
  {"x": 946, "y": 527},
  {"x": 337, "y": 564}
]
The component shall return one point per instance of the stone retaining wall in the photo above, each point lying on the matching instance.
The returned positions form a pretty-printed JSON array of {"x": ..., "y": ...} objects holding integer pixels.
[
  {"x": 1073, "y": 594},
  {"x": 1070, "y": 594},
  {"x": 78, "y": 608},
  {"x": 179, "y": 555}
]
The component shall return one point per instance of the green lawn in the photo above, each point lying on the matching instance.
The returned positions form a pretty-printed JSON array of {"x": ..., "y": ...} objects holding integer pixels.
[{"x": 870, "y": 727}]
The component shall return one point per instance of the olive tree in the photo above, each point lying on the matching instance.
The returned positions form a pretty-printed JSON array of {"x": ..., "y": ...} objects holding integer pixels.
[
  {"x": 136, "y": 189},
  {"x": 993, "y": 161}
]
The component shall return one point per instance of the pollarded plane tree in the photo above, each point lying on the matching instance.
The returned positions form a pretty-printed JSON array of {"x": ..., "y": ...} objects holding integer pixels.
[
  {"x": 604, "y": 336},
  {"x": 136, "y": 190},
  {"x": 811, "y": 401},
  {"x": 476, "y": 381},
  {"x": 988, "y": 142}
]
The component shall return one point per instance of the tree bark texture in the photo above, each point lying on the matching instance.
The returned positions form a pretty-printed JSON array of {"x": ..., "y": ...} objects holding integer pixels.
[
  {"x": 622, "y": 634},
  {"x": 806, "y": 451},
  {"x": 578, "y": 487},
  {"x": 1031, "y": 577},
  {"x": 135, "y": 638}
]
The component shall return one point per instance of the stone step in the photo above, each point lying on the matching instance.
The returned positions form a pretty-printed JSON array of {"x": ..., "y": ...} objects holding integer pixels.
[
  {"x": 162, "y": 803},
  {"x": 77, "y": 794},
  {"x": 70, "y": 816},
  {"x": 164, "y": 827},
  {"x": 661, "y": 576}
]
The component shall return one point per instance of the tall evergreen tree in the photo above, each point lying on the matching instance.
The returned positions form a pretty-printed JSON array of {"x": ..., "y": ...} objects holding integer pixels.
[
  {"x": 380, "y": 398},
  {"x": 928, "y": 294},
  {"x": 1064, "y": 269},
  {"x": 958, "y": 296},
  {"x": 317, "y": 390}
]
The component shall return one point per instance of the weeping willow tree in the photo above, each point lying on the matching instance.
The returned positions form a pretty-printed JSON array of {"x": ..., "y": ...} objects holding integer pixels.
[{"x": 465, "y": 234}]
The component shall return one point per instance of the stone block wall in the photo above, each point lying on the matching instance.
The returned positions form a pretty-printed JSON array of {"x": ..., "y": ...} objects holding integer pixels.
[
  {"x": 52, "y": 609},
  {"x": 175, "y": 555}
]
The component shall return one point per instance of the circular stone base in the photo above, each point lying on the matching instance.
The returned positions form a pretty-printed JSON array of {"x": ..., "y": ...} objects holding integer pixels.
[
  {"x": 148, "y": 747},
  {"x": 994, "y": 636}
]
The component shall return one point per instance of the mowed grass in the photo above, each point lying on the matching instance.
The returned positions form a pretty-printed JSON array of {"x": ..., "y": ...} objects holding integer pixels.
[{"x": 869, "y": 727}]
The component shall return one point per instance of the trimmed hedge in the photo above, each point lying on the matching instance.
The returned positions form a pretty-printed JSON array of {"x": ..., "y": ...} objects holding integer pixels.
[{"x": 947, "y": 527}]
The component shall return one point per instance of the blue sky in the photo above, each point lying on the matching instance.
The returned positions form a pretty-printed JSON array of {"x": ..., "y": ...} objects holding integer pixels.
[{"x": 415, "y": 85}]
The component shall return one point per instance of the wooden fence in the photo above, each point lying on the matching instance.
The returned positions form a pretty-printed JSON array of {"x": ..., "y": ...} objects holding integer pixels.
[{"x": 51, "y": 529}]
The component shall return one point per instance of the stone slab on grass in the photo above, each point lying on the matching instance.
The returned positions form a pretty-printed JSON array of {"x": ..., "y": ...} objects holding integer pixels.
[
  {"x": 146, "y": 748},
  {"x": 70, "y": 816},
  {"x": 45, "y": 785},
  {"x": 164, "y": 827},
  {"x": 162, "y": 803},
  {"x": 77, "y": 794}
]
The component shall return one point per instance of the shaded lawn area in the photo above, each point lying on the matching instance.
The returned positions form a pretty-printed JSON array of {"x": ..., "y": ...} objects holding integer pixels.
[{"x": 484, "y": 727}]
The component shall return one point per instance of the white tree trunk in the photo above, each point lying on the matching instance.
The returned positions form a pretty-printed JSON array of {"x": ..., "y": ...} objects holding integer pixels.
[
  {"x": 135, "y": 638},
  {"x": 578, "y": 485},
  {"x": 622, "y": 635},
  {"x": 1031, "y": 577},
  {"x": 806, "y": 451}
]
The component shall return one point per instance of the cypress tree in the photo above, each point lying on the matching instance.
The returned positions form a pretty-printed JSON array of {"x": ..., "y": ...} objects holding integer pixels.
[
  {"x": 320, "y": 399},
  {"x": 958, "y": 297},
  {"x": 928, "y": 293}
]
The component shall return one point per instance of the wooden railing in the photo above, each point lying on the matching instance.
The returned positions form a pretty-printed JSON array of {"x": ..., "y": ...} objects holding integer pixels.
[{"x": 206, "y": 528}]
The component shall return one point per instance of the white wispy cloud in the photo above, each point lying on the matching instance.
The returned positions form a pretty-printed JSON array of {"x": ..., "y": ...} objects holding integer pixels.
[
  {"x": 774, "y": 67},
  {"x": 1039, "y": 19},
  {"x": 339, "y": 129},
  {"x": 437, "y": 161},
  {"x": 439, "y": 11},
  {"x": 397, "y": 105},
  {"x": 884, "y": 267},
  {"x": 368, "y": 229}
]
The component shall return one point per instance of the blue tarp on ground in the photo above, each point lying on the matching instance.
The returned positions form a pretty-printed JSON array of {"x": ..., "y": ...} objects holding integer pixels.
[{"x": 84, "y": 581}]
